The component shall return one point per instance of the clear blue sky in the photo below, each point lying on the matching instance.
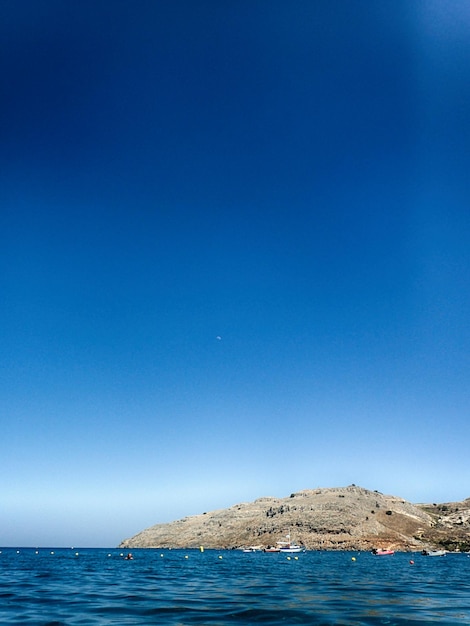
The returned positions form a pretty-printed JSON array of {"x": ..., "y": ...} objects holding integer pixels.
[{"x": 235, "y": 257}]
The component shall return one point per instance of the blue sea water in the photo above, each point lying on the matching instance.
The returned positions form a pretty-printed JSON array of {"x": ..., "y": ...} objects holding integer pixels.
[{"x": 57, "y": 587}]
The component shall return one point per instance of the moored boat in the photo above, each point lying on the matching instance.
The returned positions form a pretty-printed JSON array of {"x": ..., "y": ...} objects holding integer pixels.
[
  {"x": 434, "y": 552},
  {"x": 288, "y": 546},
  {"x": 292, "y": 547},
  {"x": 380, "y": 552},
  {"x": 252, "y": 549}
]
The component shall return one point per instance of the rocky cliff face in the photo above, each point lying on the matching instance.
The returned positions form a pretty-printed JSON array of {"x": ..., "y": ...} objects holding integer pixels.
[{"x": 343, "y": 518}]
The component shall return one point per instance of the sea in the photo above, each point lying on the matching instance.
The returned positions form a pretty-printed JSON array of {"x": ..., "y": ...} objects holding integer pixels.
[{"x": 73, "y": 586}]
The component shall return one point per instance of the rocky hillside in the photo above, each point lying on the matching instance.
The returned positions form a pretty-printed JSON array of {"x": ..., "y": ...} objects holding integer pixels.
[{"x": 343, "y": 518}]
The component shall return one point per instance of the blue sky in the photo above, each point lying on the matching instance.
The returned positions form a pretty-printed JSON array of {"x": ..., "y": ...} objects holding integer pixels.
[{"x": 235, "y": 257}]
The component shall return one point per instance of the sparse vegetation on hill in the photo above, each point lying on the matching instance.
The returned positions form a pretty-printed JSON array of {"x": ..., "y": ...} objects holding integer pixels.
[{"x": 339, "y": 518}]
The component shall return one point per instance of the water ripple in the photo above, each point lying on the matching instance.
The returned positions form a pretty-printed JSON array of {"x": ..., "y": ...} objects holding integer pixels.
[{"x": 185, "y": 588}]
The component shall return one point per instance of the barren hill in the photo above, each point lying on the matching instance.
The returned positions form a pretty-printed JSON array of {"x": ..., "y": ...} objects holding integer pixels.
[{"x": 340, "y": 518}]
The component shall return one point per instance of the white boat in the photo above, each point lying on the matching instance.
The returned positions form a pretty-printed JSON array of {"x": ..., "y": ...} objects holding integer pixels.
[
  {"x": 288, "y": 546},
  {"x": 252, "y": 549},
  {"x": 433, "y": 552},
  {"x": 292, "y": 547}
]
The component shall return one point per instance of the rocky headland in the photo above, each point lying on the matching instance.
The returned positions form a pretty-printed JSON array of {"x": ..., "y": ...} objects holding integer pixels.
[{"x": 339, "y": 518}]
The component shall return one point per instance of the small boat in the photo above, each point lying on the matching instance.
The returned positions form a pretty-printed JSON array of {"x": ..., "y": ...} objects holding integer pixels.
[
  {"x": 252, "y": 549},
  {"x": 379, "y": 552},
  {"x": 434, "y": 552},
  {"x": 288, "y": 546},
  {"x": 291, "y": 547},
  {"x": 271, "y": 549}
]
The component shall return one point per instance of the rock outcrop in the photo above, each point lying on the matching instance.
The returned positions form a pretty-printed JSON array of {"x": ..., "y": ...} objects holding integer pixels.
[{"x": 343, "y": 518}]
